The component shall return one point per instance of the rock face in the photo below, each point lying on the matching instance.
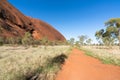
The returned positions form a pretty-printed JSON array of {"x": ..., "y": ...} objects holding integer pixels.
[{"x": 13, "y": 24}]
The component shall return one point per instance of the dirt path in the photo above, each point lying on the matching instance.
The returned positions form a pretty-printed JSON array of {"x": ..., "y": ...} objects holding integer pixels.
[{"x": 81, "y": 67}]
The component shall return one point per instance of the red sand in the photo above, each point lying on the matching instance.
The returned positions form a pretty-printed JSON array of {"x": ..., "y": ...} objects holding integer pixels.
[{"x": 82, "y": 67}]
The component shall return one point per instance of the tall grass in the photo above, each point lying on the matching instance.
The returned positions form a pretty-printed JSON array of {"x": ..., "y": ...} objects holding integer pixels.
[
  {"x": 20, "y": 63},
  {"x": 107, "y": 56}
]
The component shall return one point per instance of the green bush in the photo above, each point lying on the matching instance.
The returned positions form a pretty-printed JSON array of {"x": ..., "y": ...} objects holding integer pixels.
[
  {"x": 1, "y": 41},
  {"x": 27, "y": 39},
  {"x": 60, "y": 59},
  {"x": 11, "y": 40},
  {"x": 44, "y": 41}
]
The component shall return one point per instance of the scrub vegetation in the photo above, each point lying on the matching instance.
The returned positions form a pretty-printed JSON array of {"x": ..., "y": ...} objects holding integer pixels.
[
  {"x": 107, "y": 56},
  {"x": 31, "y": 63}
]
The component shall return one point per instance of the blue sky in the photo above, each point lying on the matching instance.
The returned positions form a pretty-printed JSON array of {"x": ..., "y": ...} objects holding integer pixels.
[{"x": 71, "y": 17}]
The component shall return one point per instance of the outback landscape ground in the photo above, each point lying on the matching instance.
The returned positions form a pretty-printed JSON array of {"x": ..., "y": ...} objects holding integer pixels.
[
  {"x": 33, "y": 63},
  {"x": 82, "y": 67},
  {"x": 21, "y": 63}
]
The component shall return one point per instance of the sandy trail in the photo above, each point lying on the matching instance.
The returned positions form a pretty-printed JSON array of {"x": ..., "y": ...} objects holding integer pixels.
[{"x": 81, "y": 67}]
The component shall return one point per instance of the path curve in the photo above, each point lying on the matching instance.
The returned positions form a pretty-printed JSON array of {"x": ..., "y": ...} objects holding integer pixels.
[{"x": 82, "y": 67}]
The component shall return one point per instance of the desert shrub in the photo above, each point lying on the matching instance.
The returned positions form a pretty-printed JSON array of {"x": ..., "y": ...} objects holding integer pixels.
[
  {"x": 45, "y": 72},
  {"x": 44, "y": 41},
  {"x": 36, "y": 42},
  {"x": 11, "y": 40},
  {"x": 27, "y": 39},
  {"x": 1, "y": 41},
  {"x": 8, "y": 40},
  {"x": 25, "y": 64},
  {"x": 60, "y": 59},
  {"x": 18, "y": 40}
]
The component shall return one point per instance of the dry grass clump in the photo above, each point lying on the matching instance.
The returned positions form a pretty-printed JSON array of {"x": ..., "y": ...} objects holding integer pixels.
[
  {"x": 109, "y": 56},
  {"x": 22, "y": 63}
]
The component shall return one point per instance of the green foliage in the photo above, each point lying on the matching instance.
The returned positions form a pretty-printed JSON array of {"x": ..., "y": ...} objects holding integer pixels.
[
  {"x": 109, "y": 35},
  {"x": 11, "y": 40},
  {"x": 60, "y": 59},
  {"x": 113, "y": 22},
  {"x": 98, "y": 35},
  {"x": 44, "y": 41},
  {"x": 18, "y": 40},
  {"x": 52, "y": 64},
  {"x": 82, "y": 39},
  {"x": 77, "y": 44},
  {"x": 89, "y": 41},
  {"x": 1, "y": 41},
  {"x": 36, "y": 42},
  {"x": 71, "y": 41},
  {"x": 27, "y": 39}
]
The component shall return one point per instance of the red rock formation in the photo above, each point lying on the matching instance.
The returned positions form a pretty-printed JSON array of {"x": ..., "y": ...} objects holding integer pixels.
[{"x": 13, "y": 24}]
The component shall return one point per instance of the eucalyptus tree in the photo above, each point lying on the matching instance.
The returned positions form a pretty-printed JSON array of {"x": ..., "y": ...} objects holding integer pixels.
[
  {"x": 99, "y": 36},
  {"x": 77, "y": 43},
  {"x": 115, "y": 30},
  {"x": 107, "y": 36},
  {"x": 82, "y": 39},
  {"x": 71, "y": 41},
  {"x": 89, "y": 41},
  {"x": 112, "y": 32}
]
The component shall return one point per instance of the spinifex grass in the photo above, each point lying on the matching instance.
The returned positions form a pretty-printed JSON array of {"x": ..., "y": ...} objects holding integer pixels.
[
  {"x": 16, "y": 63},
  {"x": 107, "y": 56}
]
